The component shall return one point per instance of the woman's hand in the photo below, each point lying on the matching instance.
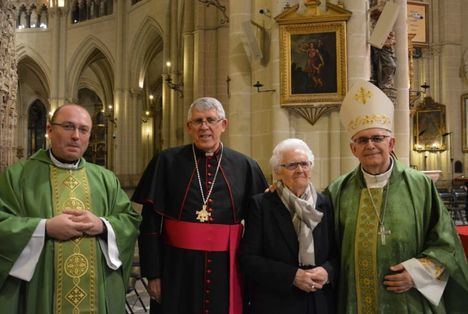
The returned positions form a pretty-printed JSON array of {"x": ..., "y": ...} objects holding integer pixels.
[
  {"x": 304, "y": 281},
  {"x": 319, "y": 275}
]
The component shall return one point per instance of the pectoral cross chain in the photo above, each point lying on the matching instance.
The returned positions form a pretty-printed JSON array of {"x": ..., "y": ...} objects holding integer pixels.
[{"x": 383, "y": 233}]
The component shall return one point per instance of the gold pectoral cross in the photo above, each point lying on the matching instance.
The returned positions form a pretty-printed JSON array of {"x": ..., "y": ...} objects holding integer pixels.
[
  {"x": 383, "y": 233},
  {"x": 203, "y": 214}
]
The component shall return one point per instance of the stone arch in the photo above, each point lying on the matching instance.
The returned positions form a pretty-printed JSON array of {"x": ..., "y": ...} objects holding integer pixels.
[
  {"x": 33, "y": 83},
  {"x": 148, "y": 43},
  {"x": 94, "y": 55},
  {"x": 36, "y": 63},
  {"x": 33, "y": 87}
]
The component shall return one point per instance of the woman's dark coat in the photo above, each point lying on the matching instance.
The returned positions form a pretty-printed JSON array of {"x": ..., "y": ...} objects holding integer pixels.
[{"x": 269, "y": 259}]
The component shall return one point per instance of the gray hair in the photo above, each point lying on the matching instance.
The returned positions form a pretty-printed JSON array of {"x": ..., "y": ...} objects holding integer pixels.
[
  {"x": 205, "y": 104},
  {"x": 286, "y": 145}
]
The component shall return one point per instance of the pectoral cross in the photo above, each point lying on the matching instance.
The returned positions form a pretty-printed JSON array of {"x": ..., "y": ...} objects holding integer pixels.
[
  {"x": 203, "y": 214},
  {"x": 383, "y": 232}
]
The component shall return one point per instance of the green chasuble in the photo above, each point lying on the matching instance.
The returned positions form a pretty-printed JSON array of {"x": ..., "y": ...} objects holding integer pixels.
[
  {"x": 420, "y": 227},
  {"x": 70, "y": 276}
]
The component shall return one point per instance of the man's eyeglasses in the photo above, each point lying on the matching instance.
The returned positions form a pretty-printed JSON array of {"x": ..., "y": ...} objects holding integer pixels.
[
  {"x": 70, "y": 127},
  {"x": 293, "y": 165},
  {"x": 209, "y": 121},
  {"x": 363, "y": 140}
]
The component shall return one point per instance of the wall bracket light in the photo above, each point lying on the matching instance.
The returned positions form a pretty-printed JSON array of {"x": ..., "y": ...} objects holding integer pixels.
[{"x": 259, "y": 85}]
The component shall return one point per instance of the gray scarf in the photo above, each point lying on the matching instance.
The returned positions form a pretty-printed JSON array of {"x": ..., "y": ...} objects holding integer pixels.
[{"x": 305, "y": 219}]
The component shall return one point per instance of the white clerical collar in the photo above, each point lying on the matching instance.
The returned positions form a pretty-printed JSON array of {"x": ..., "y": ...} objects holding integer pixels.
[
  {"x": 210, "y": 154},
  {"x": 63, "y": 165},
  {"x": 379, "y": 180}
]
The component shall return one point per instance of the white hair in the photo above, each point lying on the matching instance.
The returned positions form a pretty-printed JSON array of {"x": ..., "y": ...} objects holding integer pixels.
[
  {"x": 286, "y": 145},
  {"x": 205, "y": 104}
]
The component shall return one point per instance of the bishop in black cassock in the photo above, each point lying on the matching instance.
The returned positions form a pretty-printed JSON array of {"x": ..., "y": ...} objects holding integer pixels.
[{"x": 181, "y": 239}]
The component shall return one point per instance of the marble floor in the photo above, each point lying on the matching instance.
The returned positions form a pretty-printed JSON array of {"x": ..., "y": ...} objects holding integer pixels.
[{"x": 134, "y": 305}]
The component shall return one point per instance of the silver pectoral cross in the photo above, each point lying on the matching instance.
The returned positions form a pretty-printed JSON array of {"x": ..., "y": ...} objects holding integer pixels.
[{"x": 383, "y": 233}]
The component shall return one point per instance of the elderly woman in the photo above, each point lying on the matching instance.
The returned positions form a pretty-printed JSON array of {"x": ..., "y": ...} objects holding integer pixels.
[{"x": 287, "y": 251}]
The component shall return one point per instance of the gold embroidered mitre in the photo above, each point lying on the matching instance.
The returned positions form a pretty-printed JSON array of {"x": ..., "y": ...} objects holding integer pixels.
[{"x": 365, "y": 106}]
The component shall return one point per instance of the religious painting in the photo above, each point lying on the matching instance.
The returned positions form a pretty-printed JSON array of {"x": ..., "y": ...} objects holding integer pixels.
[
  {"x": 418, "y": 23},
  {"x": 313, "y": 56},
  {"x": 429, "y": 126},
  {"x": 313, "y": 62},
  {"x": 464, "y": 115},
  {"x": 312, "y": 42}
]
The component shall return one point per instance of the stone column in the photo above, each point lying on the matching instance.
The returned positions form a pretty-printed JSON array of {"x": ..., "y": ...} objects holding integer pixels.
[
  {"x": 279, "y": 116},
  {"x": 449, "y": 85},
  {"x": 8, "y": 83},
  {"x": 401, "y": 128},
  {"x": 240, "y": 102},
  {"x": 358, "y": 68},
  {"x": 189, "y": 64},
  {"x": 58, "y": 27}
]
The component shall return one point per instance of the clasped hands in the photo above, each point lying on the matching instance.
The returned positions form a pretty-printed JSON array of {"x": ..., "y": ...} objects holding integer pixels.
[
  {"x": 311, "y": 280},
  {"x": 74, "y": 223}
]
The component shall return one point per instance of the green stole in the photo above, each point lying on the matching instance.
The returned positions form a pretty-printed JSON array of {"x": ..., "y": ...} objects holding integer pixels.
[
  {"x": 367, "y": 283},
  {"x": 75, "y": 260}
]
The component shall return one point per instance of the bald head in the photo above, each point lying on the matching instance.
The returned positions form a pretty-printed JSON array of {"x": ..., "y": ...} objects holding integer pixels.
[{"x": 69, "y": 131}]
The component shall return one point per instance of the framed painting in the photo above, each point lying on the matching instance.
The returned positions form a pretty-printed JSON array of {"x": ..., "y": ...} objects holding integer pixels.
[
  {"x": 464, "y": 115},
  {"x": 313, "y": 55},
  {"x": 418, "y": 23},
  {"x": 429, "y": 126},
  {"x": 313, "y": 79},
  {"x": 313, "y": 63}
]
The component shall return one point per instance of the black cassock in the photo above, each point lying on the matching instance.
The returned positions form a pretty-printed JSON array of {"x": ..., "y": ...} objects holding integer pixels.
[{"x": 192, "y": 281}]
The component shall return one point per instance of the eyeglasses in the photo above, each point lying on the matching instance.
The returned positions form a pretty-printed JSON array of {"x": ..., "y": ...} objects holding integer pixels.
[
  {"x": 71, "y": 128},
  {"x": 208, "y": 121},
  {"x": 293, "y": 165},
  {"x": 363, "y": 140}
]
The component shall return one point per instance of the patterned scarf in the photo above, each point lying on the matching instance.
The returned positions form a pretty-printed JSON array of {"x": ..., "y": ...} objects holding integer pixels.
[{"x": 305, "y": 219}]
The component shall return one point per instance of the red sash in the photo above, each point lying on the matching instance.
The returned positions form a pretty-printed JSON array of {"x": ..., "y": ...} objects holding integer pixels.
[{"x": 214, "y": 238}]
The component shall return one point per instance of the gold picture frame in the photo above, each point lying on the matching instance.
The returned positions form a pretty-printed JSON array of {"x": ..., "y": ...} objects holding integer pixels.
[
  {"x": 464, "y": 115},
  {"x": 313, "y": 62},
  {"x": 418, "y": 23},
  {"x": 429, "y": 126},
  {"x": 313, "y": 68}
]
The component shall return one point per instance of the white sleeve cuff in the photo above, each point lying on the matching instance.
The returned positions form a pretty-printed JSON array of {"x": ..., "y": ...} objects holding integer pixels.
[
  {"x": 25, "y": 265},
  {"x": 109, "y": 248},
  {"x": 431, "y": 288}
]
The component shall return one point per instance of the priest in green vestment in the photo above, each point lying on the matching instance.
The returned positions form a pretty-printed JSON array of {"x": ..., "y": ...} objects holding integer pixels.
[
  {"x": 67, "y": 229},
  {"x": 399, "y": 249}
]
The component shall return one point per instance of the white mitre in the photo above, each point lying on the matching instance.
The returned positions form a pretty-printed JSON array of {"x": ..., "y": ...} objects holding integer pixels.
[{"x": 365, "y": 106}]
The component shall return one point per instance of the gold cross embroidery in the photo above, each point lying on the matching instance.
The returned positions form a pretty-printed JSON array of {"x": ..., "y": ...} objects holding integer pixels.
[
  {"x": 71, "y": 183},
  {"x": 363, "y": 95}
]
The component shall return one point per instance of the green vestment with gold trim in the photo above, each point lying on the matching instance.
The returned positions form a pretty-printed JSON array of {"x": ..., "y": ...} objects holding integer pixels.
[
  {"x": 420, "y": 226},
  {"x": 35, "y": 189}
]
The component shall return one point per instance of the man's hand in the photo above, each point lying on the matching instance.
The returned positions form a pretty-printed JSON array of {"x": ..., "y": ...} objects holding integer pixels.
[
  {"x": 91, "y": 224},
  {"x": 62, "y": 227},
  {"x": 154, "y": 289},
  {"x": 399, "y": 282},
  {"x": 304, "y": 281}
]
